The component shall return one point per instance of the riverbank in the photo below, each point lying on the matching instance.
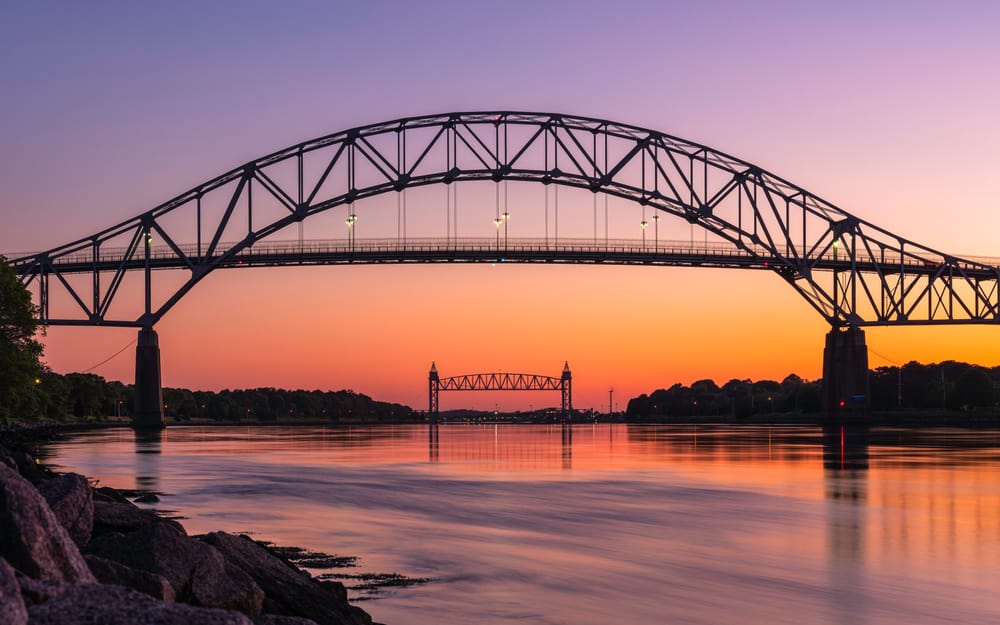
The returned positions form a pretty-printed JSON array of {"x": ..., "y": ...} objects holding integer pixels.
[
  {"x": 34, "y": 432},
  {"x": 74, "y": 554}
]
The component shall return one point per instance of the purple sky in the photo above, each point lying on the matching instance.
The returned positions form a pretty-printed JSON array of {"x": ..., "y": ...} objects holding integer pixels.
[{"x": 889, "y": 111}]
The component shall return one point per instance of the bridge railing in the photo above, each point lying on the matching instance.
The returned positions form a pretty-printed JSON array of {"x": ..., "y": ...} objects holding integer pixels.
[{"x": 479, "y": 245}]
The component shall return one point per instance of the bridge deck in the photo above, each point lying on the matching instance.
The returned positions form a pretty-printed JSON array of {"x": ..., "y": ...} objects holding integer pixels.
[{"x": 375, "y": 251}]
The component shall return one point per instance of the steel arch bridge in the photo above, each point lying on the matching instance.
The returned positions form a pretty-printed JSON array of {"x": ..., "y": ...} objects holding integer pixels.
[
  {"x": 500, "y": 381},
  {"x": 851, "y": 271}
]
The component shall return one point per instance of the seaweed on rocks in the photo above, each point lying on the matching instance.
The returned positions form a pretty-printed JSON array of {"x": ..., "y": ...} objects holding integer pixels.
[
  {"x": 309, "y": 559},
  {"x": 368, "y": 585},
  {"x": 371, "y": 585}
]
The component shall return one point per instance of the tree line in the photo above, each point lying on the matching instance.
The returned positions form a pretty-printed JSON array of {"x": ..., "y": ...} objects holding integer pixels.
[
  {"x": 945, "y": 386},
  {"x": 89, "y": 396}
]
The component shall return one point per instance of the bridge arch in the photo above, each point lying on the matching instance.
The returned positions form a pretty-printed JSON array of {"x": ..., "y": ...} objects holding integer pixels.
[{"x": 851, "y": 271}]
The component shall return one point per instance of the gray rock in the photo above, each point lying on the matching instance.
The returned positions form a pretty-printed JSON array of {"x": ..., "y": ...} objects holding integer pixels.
[
  {"x": 29, "y": 467},
  {"x": 72, "y": 501},
  {"x": 288, "y": 591},
  {"x": 33, "y": 541},
  {"x": 106, "y": 493},
  {"x": 118, "y": 516},
  {"x": 111, "y": 572},
  {"x": 5, "y": 458},
  {"x": 35, "y": 591},
  {"x": 12, "y": 608},
  {"x": 97, "y": 604},
  {"x": 197, "y": 572}
]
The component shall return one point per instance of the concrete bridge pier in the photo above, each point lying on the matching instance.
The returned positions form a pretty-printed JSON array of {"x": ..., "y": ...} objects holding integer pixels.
[
  {"x": 846, "y": 389},
  {"x": 148, "y": 412}
]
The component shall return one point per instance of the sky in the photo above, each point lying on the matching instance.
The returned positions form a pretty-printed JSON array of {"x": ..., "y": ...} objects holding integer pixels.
[{"x": 888, "y": 110}]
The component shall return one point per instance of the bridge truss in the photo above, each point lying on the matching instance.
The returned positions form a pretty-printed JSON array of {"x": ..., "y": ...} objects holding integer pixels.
[
  {"x": 500, "y": 382},
  {"x": 851, "y": 271}
]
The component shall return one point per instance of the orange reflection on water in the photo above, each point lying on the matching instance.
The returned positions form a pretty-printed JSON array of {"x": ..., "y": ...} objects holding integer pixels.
[{"x": 684, "y": 523}]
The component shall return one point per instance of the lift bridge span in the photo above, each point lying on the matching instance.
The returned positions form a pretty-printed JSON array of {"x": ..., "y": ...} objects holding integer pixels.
[{"x": 851, "y": 271}]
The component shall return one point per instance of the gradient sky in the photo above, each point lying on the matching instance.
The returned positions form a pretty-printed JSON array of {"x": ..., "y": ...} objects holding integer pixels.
[{"x": 888, "y": 111}]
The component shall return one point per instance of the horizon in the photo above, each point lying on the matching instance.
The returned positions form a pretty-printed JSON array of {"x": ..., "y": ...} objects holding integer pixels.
[{"x": 497, "y": 397}]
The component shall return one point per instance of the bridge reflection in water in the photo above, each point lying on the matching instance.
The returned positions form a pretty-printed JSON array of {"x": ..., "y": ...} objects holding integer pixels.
[{"x": 503, "y": 447}]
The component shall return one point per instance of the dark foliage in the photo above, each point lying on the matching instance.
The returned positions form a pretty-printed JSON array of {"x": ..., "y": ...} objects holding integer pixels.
[
  {"x": 20, "y": 369},
  {"x": 947, "y": 386}
]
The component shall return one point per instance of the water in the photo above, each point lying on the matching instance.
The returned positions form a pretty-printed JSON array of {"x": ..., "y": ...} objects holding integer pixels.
[{"x": 600, "y": 524}]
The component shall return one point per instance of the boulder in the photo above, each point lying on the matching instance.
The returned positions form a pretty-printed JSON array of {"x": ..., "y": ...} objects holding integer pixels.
[
  {"x": 106, "y": 493},
  {"x": 5, "y": 458},
  {"x": 288, "y": 591},
  {"x": 111, "y": 572},
  {"x": 97, "y": 604},
  {"x": 33, "y": 541},
  {"x": 197, "y": 572},
  {"x": 12, "y": 608},
  {"x": 125, "y": 516},
  {"x": 29, "y": 467},
  {"x": 71, "y": 499},
  {"x": 35, "y": 591}
]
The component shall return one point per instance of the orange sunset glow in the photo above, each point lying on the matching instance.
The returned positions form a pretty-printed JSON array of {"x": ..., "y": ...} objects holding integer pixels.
[{"x": 864, "y": 132}]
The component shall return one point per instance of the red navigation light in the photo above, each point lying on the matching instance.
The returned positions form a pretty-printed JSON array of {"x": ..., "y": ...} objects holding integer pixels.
[
  {"x": 239, "y": 262},
  {"x": 842, "y": 403}
]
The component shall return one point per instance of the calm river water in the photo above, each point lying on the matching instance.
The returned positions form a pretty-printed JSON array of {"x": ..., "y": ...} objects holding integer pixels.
[{"x": 598, "y": 524}]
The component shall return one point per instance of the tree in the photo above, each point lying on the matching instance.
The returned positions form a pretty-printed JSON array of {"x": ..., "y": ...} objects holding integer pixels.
[
  {"x": 973, "y": 389},
  {"x": 20, "y": 368}
]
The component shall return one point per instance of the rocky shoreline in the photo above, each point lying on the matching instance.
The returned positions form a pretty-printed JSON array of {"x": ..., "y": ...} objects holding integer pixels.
[{"x": 72, "y": 554}]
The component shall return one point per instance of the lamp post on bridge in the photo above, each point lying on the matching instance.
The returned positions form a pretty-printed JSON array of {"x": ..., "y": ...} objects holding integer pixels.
[
  {"x": 496, "y": 222},
  {"x": 351, "y": 219},
  {"x": 643, "y": 224},
  {"x": 656, "y": 229},
  {"x": 506, "y": 216}
]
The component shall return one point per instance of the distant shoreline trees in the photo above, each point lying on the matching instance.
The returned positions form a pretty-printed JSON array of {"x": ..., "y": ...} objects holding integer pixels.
[
  {"x": 86, "y": 396},
  {"x": 948, "y": 386}
]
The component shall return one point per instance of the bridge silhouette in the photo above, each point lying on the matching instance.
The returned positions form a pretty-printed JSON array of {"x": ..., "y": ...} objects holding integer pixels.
[
  {"x": 852, "y": 272},
  {"x": 500, "y": 381}
]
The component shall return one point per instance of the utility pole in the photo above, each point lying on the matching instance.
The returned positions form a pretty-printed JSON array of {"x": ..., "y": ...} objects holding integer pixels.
[
  {"x": 899, "y": 390},
  {"x": 944, "y": 391},
  {"x": 611, "y": 402}
]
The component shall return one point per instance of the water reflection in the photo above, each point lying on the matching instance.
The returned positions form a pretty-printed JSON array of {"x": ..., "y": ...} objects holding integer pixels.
[
  {"x": 567, "y": 446},
  {"x": 680, "y": 523},
  {"x": 433, "y": 442},
  {"x": 845, "y": 470},
  {"x": 148, "y": 447}
]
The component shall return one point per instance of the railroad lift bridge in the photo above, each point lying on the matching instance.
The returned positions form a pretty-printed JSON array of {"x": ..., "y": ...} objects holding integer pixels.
[
  {"x": 852, "y": 272},
  {"x": 500, "y": 381}
]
